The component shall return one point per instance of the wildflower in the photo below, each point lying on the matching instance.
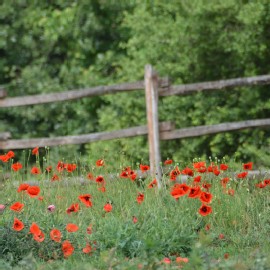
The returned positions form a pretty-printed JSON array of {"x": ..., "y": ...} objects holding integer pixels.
[
  {"x": 132, "y": 175},
  {"x": 134, "y": 219},
  {"x": 179, "y": 190},
  {"x": 35, "y": 170},
  {"x": 206, "y": 186},
  {"x": 230, "y": 192},
  {"x": 2, "y": 208},
  {"x": 226, "y": 256},
  {"x": 56, "y": 235},
  {"x": 87, "y": 249},
  {"x": 205, "y": 210},
  {"x": 16, "y": 166},
  {"x": 39, "y": 237},
  {"x": 198, "y": 165},
  {"x": 34, "y": 229},
  {"x": 144, "y": 168},
  {"x": 72, "y": 227},
  {"x": 35, "y": 151},
  {"x": 23, "y": 187},
  {"x": 49, "y": 169},
  {"x": 17, "y": 225},
  {"x": 188, "y": 171},
  {"x": 223, "y": 167},
  {"x": 33, "y": 191},
  {"x": 108, "y": 207},
  {"x": 206, "y": 197},
  {"x": 102, "y": 189},
  {"x": 17, "y": 206},
  {"x": 75, "y": 207},
  {"x": 100, "y": 179},
  {"x": 167, "y": 260},
  {"x": 70, "y": 167},
  {"x": 90, "y": 176},
  {"x": 55, "y": 177},
  {"x": 221, "y": 236},
  {"x": 60, "y": 166},
  {"x": 153, "y": 184},
  {"x": 174, "y": 173},
  {"x": 10, "y": 154},
  {"x": 168, "y": 162},
  {"x": 180, "y": 260},
  {"x": 4, "y": 158},
  {"x": 248, "y": 166},
  {"x": 67, "y": 248},
  {"x": 51, "y": 208},
  {"x": 85, "y": 199},
  {"x": 89, "y": 229},
  {"x": 194, "y": 192},
  {"x": 197, "y": 179},
  {"x": 100, "y": 163},
  {"x": 242, "y": 175},
  {"x": 224, "y": 181},
  {"x": 140, "y": 198},
  {"x": 207, "y": 227}
]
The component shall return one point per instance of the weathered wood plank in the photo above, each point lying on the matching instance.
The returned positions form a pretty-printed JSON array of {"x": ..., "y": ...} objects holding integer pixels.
[
  {"x": 69, "y": 95},
  {"x": 151, "y": 97},
  {"x": 5, "y": 136},
  {"x": 3, "y": 93},
  {"x": 187, "y": 89},
  {"x": 213, "y": 129},
  {"x": 80, "y": 139}
]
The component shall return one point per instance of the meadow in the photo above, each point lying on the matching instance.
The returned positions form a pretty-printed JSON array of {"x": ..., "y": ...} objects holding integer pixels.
[{"x": 107, "y": 214}]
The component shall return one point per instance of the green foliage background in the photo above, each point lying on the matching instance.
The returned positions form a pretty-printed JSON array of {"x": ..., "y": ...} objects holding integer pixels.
[{"x": 51, "y": 46}]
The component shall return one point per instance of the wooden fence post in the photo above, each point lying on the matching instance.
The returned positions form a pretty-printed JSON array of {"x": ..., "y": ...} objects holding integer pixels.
[{"x": 151, "y": 94}]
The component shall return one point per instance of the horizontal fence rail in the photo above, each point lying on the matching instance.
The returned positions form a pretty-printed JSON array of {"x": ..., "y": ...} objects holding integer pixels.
[
  {"x": 186, "y": 89},
  {"x": 213, "y": 129},
  {"x": 81, "y": 139}
]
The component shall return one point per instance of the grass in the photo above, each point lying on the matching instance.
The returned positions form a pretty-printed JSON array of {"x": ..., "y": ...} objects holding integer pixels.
[{"x": 146, "y": 235}]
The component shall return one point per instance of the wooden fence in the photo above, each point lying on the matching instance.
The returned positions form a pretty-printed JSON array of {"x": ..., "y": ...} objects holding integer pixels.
[{"x": 154, "y": 87}]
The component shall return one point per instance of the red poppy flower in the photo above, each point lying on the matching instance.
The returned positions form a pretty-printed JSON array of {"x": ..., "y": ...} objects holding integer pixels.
[
  {"x": 248, "y": 166},
  {"x": 198, "y": 165},
  {"x": 17, "y": 225},
  {"x": 194, "y": 192},
  {"x": 206, "y": 186},
  {"x": 132, "y": 175},
  {"x": 188, "y": 171},
  {"x": 75, "y": 207},
  {"x": 108, "y": 207},
  {"x": 10, "y": 154},
  {"x": 60, "y": 166},
  {"x": 23, "y": 187},
  {"x": 179, "y": 190},
  {"x": 153, "y": 184},
  {"x": 16, "y": 166},
  {"x": 67, "y": 248},
  {"x": 206, "y": 197},
  {"x": 35, "y": 170},
  {"x": 266, "y": 182},
  {"x": 85, "y": 199},
  {"x": 167, "y": 260},
  {"x": 144, "y": 168},
  {"x": 34, "y": 229},
  {"x": 89, "y": 229},
  {"x": 134, "y": 219},
  {"x": 90, "y": 176},
  {"x": 180, "y": 260},
  {"x": 226, "y": 256},
  {"x": 70, "y": 167},
  {"x": 35, "y": 151},
  {"x": 230, "y": 192},
  {"x": 17, "y": 206},
  {"x": 33, "y": 191},
  {"x": 205, "y": 210},
  {"x": 168, "y": 162},
  {"x": 216, "y": 172},
  {"x": 140, "y": 198},
  {"x": 207, "y": 227},
  {"x": 261, "y": 185},
  {"x": 56, "y": 235},
  {"x": 39, "y": 237},
  {"x": 102, "y": 189},
  {"x": 100, "y": 162},
  {"x": 197, "y": 179},
  {"x": 224, "y": 181},
  {"x": 100, "y": 180},
  {"x": 223, "y": 167},
  {"x": 221, "y": 236},
  {"x": 174, "y": 173},
  {"x": 242, "y": 175},
  {"x": 87, "y": 249},
  {"x": 55, "y": 177},
  {"x": 49, "y": 169},
  {"x": 4, "y": 158},
  {"x": 72, "y": 227}
]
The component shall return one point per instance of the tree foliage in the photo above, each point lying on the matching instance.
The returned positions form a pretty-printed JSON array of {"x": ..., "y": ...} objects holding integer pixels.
[{"x": 60, "y": 45}]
